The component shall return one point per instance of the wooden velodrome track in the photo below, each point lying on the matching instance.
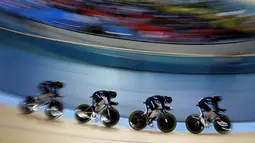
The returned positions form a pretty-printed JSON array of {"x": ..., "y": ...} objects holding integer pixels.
[{"x": 35, "y": 128}]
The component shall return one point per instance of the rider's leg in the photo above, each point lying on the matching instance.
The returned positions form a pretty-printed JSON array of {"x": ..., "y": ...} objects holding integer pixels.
[
  {"x": 96, "y": 106},
  {"x": 152, "y": 106},
  {"x": 41, "y": 100},
  {"x": 46, "y": 94},
  {"x": 99, "y": 105},
  {"x": 208, "y": 116},
  {"x": 95, "y": 102},
  {"x": 45, "y": 97},
  {"x": 152, "y": 115},
  {"x": 206, "y": 108}
]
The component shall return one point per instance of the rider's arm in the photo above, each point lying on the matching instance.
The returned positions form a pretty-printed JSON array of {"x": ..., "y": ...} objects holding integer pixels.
[
  {"x": 106, "y": 100},
  {"x": 105, "y": 97},
  {"x": 162, "y": 101},
  {"x": 216, "y": 106},
  {"x": 61, "y": 95},
  {"x": 55, "y": 92}
]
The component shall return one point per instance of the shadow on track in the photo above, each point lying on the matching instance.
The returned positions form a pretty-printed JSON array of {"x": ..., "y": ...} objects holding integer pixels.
[
  {"x": 98, "y": 127},
  {"x": 42, "y": 120}
]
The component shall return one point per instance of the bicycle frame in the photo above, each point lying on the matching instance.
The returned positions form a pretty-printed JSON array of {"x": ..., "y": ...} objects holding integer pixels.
[
  {"x": 214, "y": 113},
  {"x": 103, "y": 108},
  {"x": 44, "y": 103},
  {"x": 158, "y": 113}
]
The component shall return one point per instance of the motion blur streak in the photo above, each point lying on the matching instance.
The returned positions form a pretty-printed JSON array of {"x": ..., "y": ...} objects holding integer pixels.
[
  {"x": 205, "y": 22},
  {"x": 200, "y": 22},
  {"x": 22, "y": 73}
]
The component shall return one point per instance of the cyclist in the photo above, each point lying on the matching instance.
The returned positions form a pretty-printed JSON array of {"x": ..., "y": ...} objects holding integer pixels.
[
  {"x": 204, "y": 103},
  {"x": 102, "y": 97},
  {"x": 48, "y": 89},
  {"x": 153, "y": 103}
]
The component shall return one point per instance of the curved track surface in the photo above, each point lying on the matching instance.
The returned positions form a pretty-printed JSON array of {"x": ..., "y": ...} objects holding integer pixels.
[
  {"x": 22, "y": 71},
  {"x": 15, "y": 128}
]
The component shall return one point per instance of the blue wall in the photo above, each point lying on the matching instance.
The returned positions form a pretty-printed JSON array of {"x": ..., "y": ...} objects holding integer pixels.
[
  {"x": 124, "y": 59},
  {"x": 20, "y": 73}
]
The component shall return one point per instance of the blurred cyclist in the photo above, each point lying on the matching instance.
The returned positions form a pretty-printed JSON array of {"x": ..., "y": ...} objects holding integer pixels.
[
  {"x": 48, "y": 90},
  {"x": 204, "y": 104},
  {"x": 102, "y": 97},
  {"x": 153, "y": 103}
]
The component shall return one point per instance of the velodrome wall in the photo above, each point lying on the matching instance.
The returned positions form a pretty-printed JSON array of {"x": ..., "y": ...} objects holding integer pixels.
[
  {"x": 21, "y": 72},
  {"x": 54, "y": 42}
]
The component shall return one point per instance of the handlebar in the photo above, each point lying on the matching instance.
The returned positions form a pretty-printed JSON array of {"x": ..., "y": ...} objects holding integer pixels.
[
  {"x": 52, "y": 98},
  {"x": 220, "y": 110},
  {"x": 164, "y": 110},
  {"x": 109, "y": 105},
  {"x": 112, "y": 104}
]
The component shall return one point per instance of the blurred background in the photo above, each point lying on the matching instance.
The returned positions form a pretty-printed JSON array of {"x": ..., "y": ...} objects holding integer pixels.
[
  {"x": 204, "y": 47},
  {"x": 168, "y": 21}
]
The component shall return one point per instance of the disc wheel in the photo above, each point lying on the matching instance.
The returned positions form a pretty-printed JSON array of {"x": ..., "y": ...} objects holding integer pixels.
[
  {"x": 137, "y": 120},
  {"x": 24, "y": 107},
  {"x": 166, "y": 122},
  {"x": 222, "y": 124},
  {"x": 82, "y": 113},
  {"x": 193, "y": 124},
  {"x": 54, "y": 109},
  {"x": 110, "y": 117}
]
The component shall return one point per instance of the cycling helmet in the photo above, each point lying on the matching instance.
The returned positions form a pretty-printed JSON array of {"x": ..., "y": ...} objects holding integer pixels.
[
  {"x": 113, "y": 94},
  {"x": 217, "y": 98},
  {"x": 168, "y": 99},
  {"x": 59, "y": 84}
]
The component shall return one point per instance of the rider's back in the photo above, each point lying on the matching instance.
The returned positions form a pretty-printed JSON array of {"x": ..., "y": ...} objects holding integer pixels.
[
  {"x": 156, "y": 98},
  {"x": 102, "y": 93},
  {"x": 47, "y": 83},
  {"x": 208, "y": 100}
]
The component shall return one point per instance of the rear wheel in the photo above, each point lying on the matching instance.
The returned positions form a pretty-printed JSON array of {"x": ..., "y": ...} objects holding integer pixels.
[
  {"x": 110, "y": 117},
  {"x": 222, "y": 124},
  {"x": 166, "y": 122},
  {"x": 137, "y": 120},
  {"x": 83, "y": 113},
  {"x": 25, "y": 106},
  {"x": 193, "y": 124},
  {"x": 54, "y": 109}
]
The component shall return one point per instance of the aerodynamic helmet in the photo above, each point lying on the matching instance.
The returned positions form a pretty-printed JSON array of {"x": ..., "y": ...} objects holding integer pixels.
[
  {"x": 168, "y": 99},
  {"x": 217, "y": 98},
  {"x": 59, "y": 84},
  {"x": 113, "y": 94}
]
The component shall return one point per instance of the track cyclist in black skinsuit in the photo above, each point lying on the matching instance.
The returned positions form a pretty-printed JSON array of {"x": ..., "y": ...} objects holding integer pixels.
[
  {"x": 204, "y": 103},
  {"x": 102, "y": 97},
  {"x": 48, "y": 89},
  {"x": 154, "y": 102}
]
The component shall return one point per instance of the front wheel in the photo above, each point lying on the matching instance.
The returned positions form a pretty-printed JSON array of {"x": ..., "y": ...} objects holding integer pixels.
[
  {"x": 166, "y": 122},
  {"x": 193, "y": 124},
  {"x": 83, "y": 113},
  {"x": 110, "y": 117},
  {"x": 222, "y": 124},
  {"x": 54, "y": 109},
  {"x": 137, "y": 120}
]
